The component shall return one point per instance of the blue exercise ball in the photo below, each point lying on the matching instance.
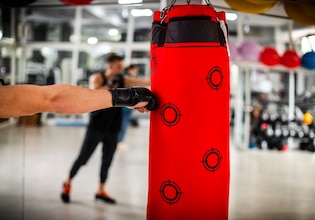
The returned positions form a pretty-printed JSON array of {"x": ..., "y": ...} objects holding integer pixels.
[{"x": 308, "y": 60}]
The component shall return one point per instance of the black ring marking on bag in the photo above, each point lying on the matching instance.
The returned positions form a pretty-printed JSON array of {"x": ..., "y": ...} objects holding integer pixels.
[
  {"x": 173, "y": 121},
  {"x": 174, "y": 187},
  {"x": 205, "y": 160},
  {"x": 215, "y": 72}
]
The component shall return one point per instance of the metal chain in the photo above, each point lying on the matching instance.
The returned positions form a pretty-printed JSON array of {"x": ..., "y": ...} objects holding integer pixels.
[
  {"x": 209, "y": 2},
  {"x": 165, "y": 10}
]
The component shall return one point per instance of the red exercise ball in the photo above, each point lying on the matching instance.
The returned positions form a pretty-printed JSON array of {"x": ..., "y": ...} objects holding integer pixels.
[
  {"x": 269, "y": 56},
  {"x": 76, "y": 2},
  {"x": 290, "y": 59}
]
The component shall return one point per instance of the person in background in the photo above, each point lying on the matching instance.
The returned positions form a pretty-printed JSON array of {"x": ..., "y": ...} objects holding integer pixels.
[
  {"x": 53, "y": 76},
  {"x": 130, "y": 71},
  {"x": 257, "y": 107},
  {"x": 104, "y": 126}
]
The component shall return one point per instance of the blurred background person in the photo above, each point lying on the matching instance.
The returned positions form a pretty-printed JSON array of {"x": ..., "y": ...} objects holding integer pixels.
[
  {"x": 104, "y": 126},
  {"x": 131, "y": 71}
]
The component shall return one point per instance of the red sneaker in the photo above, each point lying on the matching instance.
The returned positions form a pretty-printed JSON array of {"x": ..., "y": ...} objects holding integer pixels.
[{"x": 65, "y": 195}]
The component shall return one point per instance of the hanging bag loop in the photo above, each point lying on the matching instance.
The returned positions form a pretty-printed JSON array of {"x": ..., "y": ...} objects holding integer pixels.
[
  {"x": 164, "y": 11},
  {"x": 208, "y": 2}
]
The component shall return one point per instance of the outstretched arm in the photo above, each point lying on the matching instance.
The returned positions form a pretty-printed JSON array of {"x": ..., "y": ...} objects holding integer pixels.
[
  {"x": 63, "y": 99},
  {"x": 129, "y": 81}
]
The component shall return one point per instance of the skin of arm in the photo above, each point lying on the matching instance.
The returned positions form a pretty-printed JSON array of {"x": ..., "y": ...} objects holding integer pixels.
[
  {"x": 62, "y": 99},
  {"x": 129, "y": 81}
]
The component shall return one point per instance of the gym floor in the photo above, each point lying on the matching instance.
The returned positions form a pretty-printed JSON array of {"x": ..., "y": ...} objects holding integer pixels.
[{"x": 35, "y": 161}]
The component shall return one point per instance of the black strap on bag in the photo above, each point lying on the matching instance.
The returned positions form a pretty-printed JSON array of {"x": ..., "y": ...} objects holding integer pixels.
[{"x": 161, "y": 29}]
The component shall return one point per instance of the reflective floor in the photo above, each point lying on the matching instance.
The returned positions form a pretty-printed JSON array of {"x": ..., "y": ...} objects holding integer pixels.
[{"x": 35, "y": 161}]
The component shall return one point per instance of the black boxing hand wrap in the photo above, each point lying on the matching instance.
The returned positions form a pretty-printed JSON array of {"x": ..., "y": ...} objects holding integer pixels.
[{"x": 131, "y": 96}]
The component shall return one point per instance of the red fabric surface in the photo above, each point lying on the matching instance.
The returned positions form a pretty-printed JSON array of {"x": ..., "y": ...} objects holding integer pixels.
[{"x": 189, "y": 133}]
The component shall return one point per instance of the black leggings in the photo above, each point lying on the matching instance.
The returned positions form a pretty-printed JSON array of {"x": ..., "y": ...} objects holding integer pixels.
[{"x": 91, "y": 140}]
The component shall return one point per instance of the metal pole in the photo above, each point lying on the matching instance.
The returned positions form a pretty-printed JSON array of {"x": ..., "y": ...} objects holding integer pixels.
[
  {"x": 130, "y": 36},
  {"x": 13, "y": 55},
  {"x": 13, "y": 47},
  {"x": 290, "y": 26},
  {"x": 291, "y": 94},
  {"x": 75, "y": 51},
  {"x": 246, "y": 109},
  {"x": 238, "y": 110},
  {"x": 239, "y": 28},
  {"x": 22, "y": 60},
  {"x": 300, "y": 82},
  {"x": 291, "y": 86},
  {"x": 291, "y": 102}
]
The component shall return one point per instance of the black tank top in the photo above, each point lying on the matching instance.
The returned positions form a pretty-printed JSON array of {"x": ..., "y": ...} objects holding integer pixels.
[{"x": 108, "y": 120}]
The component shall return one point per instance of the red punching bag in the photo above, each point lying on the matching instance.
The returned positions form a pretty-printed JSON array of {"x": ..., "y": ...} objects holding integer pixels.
[{"x": 189, "y": 133}]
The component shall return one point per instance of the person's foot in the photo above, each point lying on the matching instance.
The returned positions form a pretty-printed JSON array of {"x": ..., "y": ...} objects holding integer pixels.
[
  {"x": 65, "y": 195},
  {"x": 134, "y": 122},
  {"x": 105, "y": 198}
]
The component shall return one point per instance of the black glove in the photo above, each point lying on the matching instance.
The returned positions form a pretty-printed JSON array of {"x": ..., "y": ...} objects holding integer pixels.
[{"x": 131, "y": 96}]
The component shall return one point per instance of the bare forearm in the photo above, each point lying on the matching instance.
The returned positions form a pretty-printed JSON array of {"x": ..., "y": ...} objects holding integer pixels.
[
  {"x": 62, "y": 99},
  {"x": 129, "y": 81},
  {"x": 75, "y": 100}
]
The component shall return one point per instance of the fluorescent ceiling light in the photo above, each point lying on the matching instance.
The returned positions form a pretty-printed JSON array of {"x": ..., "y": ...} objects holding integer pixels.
[
  {"x": 141, "y": 12},
  {"x": 124, "y": 2},
  {"x": 92, "y": 40},
  {"x": 113, "y": 32},
  {"x": 231, "y": 16}
]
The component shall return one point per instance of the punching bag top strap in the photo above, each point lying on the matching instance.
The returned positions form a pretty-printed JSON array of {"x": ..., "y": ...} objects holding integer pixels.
[
  {"x": 164, "y": 11},
  {"x": 185, "y": 11},
  {"x": 188, "y": 2},
  {"x": 188, "y": 24}
]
